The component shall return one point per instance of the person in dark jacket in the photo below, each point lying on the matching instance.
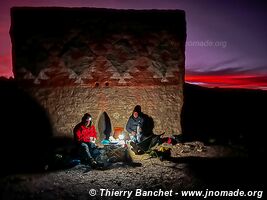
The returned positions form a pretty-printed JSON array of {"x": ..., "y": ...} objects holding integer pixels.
[{"x": 135, "y": 124}]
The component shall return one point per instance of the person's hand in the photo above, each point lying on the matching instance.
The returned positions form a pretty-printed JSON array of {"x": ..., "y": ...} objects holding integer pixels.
[
  {"x": 133, "y": 133},
  {"x": 92, "y": 139}
]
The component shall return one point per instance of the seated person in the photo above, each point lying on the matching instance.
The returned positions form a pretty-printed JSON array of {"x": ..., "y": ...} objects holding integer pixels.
[
  {"x": 135, "y": 124},
  {"x": 140, "y": 127},
  {"x": 85, "y": 137}
]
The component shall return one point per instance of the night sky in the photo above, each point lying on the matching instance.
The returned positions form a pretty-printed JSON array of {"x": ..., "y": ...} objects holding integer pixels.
[{"x": 226, "y": 40}]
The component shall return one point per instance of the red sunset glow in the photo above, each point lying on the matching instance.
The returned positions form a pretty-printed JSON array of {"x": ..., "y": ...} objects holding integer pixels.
[{"x": 229, "y": 81}]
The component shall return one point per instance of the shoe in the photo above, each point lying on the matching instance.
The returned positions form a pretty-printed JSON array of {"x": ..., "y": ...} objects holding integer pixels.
[
  {"x": 135, "y": 148},
  {"x": 134, "y": 145},
  {"x": 92, "y": 162},
  {"x": 101, "y": 165},
  {"x": 112, "y": 159}
]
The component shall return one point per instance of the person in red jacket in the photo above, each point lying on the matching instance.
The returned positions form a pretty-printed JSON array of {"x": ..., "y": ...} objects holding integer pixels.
[{"x": 85, "y": 136}]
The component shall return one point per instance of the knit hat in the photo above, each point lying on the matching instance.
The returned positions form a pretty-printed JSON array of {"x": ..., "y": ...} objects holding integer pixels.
[{"x": 137, "y": 108}]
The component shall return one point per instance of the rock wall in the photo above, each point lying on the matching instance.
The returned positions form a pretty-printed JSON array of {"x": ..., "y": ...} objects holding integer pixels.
[
  {"x": 79, "y": 60},
  {"x": 67, "y": 105}
]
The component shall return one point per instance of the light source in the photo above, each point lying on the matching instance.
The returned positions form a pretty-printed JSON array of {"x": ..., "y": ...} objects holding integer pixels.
[{"x": 121, "y": 136}]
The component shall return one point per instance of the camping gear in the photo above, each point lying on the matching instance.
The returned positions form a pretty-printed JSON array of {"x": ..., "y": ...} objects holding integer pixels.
[{"x": 146, "y": 144}]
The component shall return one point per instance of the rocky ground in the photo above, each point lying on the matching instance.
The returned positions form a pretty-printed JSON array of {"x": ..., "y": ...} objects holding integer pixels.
[{"x": 191, "y": 165}]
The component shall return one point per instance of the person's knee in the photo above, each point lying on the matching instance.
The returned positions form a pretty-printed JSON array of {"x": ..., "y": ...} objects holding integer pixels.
[
  {"x": 92, "y": 145},
  {"x": 84, "y": 147}
]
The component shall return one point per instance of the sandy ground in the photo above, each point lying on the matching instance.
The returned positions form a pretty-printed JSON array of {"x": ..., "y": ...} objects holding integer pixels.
[{"x": 192, "y": 165}]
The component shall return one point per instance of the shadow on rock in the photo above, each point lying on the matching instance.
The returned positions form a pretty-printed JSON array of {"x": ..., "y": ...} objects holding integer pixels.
[{"x": 25, "y": 130}]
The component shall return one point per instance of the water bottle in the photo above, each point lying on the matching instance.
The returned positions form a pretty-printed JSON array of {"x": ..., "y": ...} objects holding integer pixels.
[{"x": 138, "y": 133}]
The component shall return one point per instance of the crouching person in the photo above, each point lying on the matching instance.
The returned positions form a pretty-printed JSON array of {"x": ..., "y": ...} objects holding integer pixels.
[
  {"x": 85, "y": 137},
  {"x": 134, "y": 127},
  {"x": 135, "y": 124}
]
